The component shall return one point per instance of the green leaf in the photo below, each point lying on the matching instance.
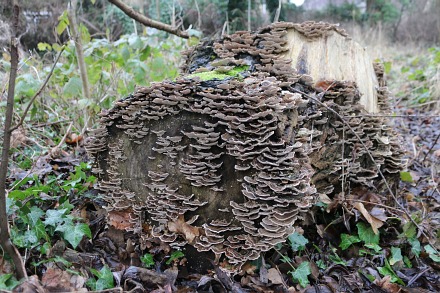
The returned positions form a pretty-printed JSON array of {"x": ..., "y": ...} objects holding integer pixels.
[
  {"x": 35, "y": 215},
  {"x": 301, "y": 274},
  {"x": 147, "y": 260},
  {"x": 75, "y": 235},
  {"x": 18, "y": 194},
  {"x": 387, "y": 67},
  {"x": 432, "y": 253},
  {"x": 44, "y": 47},
  {"x": 73, "y": 87},
  {"x": 54, "y": 217},
  {"x": 40, "y": 230},
  {"x": 63, "y": 23},
  {"x": 374, "y": 247},
  {"x": 406, "y": 177},
  {"x": 105, "y": 279},
  {"x": 366, "y": 234},
  {"x": 396, "y": 255},
  {"x": 297, "y": 241},
  {"x": 175, "y": 255},
  {"x": 387, "y": 270},
  {"x": 348, "y": 240},
  {"x": 409, "y": 230}
]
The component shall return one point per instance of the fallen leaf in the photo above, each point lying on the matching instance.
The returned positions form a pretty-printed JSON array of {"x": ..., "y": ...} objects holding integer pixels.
[
  {"x": 373, "y": 221},
  {"x": 186, "y": 230},
  {"x": 274, "y": 276},
  {"x": 57, "y": 280},
  {"x": 120, "y": 219},
  {"x": 385, "y": 283}
]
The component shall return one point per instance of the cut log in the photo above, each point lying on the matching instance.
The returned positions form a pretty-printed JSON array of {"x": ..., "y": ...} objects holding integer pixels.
[{"x": 230, "y": 156}]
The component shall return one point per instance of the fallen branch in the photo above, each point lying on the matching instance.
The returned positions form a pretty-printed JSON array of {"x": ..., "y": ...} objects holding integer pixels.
[{"x": 130, "y": 12}]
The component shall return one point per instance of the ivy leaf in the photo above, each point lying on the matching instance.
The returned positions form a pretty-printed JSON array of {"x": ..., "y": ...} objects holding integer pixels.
[
  {"x": 76, "y": 233},
  {"x": 54, "y": 217},
  {"x": 35, "y": 214},
  {"x": 105, "y": 279},
  {"x": 297, "y": 241},
  {"x": 366, "y": 234},
  {"x": 432, "y": 253},
  {"x": 387, "y": 270},
  {"x": 374, "y": 247},
  {"x": 301, "y": 273},
  {"x": 348, "y": 240},
  {"x": 40, "y": 230},
  {"x": 415, "y": 246},
  {"x": 147, "y": 260},
  {"x": 396, "y": 255},
  {"x": 175, "y": 255}
]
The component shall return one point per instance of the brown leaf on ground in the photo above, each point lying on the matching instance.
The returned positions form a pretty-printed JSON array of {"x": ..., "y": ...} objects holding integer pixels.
[
  {"x": 5, "y": 266},
  {"x": 274, "y": 276},
  {"x": 120, "y": 219},
  {"x": 57, "y": 280},
  {"x": 186, "y": 230},
  {"x": 18, "y": 137},
  {"x": 385, "y": 284},
  {"x": 373, "y": 221},
  {"x": 31, "y": 285}
]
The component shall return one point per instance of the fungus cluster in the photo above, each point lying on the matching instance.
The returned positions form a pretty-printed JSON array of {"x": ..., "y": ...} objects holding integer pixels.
[{"x": 231, "y": 165}]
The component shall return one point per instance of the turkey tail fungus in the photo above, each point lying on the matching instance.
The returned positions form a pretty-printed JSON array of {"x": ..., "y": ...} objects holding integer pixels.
[{"x": 231, "y": 155}]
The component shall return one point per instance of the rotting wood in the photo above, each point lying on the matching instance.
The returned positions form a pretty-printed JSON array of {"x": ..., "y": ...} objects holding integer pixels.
[{"x": 230, "y": 156}]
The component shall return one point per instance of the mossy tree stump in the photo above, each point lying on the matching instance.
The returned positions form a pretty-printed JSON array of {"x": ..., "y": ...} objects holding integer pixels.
[{"x": 230, "y": 156}]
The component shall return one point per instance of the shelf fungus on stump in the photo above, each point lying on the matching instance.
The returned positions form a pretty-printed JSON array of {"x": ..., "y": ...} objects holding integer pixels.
[{"x": 230, "y": 156}]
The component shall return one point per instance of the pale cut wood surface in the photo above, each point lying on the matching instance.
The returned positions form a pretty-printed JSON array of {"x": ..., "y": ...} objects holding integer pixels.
[{"x": 335, "y": 57}]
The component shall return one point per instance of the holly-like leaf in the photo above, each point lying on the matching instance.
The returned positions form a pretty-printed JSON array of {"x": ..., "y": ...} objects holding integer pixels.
[
  {"x": 75, "y": 235},
  {"x": 297, "y": 241},
  {"x": 366, "y": 234},
  {"x": 348, "y": 240},
  {"x": 396, "y": 255},
  {"x": 301, "y": 274}
]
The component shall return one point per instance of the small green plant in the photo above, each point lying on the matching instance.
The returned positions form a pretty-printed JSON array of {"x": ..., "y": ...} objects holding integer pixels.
[
  {"x": 175, "y": 256},
  {"x": 148, "y": 260},
  {"x": 104, "y": 279},
  {"x": 8, "y": 282}
]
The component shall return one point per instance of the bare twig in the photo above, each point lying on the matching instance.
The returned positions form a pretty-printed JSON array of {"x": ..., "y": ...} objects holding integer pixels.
[
  {"x": 23, "y": 116},
  {"x": 5, "y": 240},
  {"x": 369, "y": 155},
  {"x": 129, "y": 11},
  {"x": 432, "y": 146}
]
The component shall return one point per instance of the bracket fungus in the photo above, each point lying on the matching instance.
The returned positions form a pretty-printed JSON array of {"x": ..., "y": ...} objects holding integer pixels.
[{"x": 231, "y": 162}]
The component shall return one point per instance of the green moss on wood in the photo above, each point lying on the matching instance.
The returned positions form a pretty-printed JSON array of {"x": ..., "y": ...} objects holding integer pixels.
[{"x": 210, "y": 75}]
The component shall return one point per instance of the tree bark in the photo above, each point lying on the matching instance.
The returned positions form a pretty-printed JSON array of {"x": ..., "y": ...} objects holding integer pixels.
[
  {"x": 5, "y": 240},
  {"x": 230, "y": 156}
]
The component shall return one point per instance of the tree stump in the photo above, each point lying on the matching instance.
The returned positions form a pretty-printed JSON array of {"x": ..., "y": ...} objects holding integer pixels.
[{"x": 231, "y": 155}]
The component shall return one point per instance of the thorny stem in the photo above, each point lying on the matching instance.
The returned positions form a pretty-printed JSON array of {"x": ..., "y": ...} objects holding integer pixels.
[
  {"x": 369, "y": 154},
  {"x": 5, "y": 239},
  {"x": 23, "y": 116}
]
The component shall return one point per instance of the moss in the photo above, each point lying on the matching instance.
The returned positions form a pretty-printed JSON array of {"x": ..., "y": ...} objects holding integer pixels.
[{"x": 210, "y": 75}]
